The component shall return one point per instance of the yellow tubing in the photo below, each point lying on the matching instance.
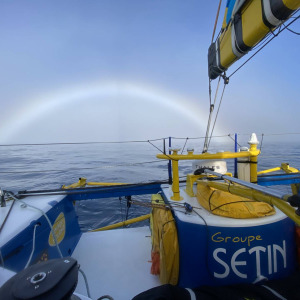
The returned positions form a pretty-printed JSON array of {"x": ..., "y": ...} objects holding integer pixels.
[
  {"x": 81, "y": 183},
  {"x": 219, "y": 155},
  {"x": 105, "y": 183},
  {"x": 124, "y": 223},
  {"x": 268, "y": 171}
]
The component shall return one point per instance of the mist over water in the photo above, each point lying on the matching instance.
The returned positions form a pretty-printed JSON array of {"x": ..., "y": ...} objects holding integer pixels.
[{"x": 32, "y": 167}]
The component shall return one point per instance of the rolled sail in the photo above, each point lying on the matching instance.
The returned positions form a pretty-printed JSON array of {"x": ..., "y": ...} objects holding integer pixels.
[{"x": 246, "y": 23}]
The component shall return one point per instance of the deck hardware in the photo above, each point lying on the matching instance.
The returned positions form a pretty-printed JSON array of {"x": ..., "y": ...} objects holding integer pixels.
[
  {"x": 294, "y": 200},
  {"x": 2, "y": 200},
  {"x": 38, "y": 278},
  {"x": 188, "y": 207}
]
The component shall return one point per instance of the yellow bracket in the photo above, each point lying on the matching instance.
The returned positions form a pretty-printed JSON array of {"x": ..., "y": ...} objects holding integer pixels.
[
  {"x": 287, "y": 169},
  {"x": 81, "y": 183},
  {"x": 191, "y": 179},
  {"x": 175, "y": 157}
]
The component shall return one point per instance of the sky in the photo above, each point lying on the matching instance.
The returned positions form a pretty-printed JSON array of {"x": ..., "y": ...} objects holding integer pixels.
[{"x": 115, "y": 70}]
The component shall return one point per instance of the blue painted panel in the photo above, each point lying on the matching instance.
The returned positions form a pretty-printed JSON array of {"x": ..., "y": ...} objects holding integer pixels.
[
  {"x": 227, "y": 255},
  {"x": 17, "y": 251},
  {"x": 192, "y": 254},
  {"x": 282, "y": 179}
]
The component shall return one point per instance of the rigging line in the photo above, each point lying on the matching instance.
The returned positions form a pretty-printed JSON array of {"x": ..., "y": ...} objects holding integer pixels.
[
  {"x": 287, "y": 133},
  {"x": 267, "y": 42},
  {"x": 261, "y": 142},
  {"x": 216, "y": 95},
  {"x": 33, "y": 246},
  {"x": 205, "y": 147},
  {"x": 23, "y": 193},
  {"x": 86, "y": 282},
  {"x": 161, "y": 151},
  {"x": 184, "y": 145},
  {"x": 190, "y": 138},
  {"x": 292, "y": 31},
  {"x": 199, "y": 138},
  {"x": 217, "y": 115},
  {"x": 209, "y": 118},
  {"x": 121, "y": 209},
  {"x": 79, "y": 143},
  {"x": 6, "y": 217},
  {"x": 229, "y": 135},
  {"x": 87, "y": 191},
  {"x": 216, "y": 21},
  {"x": 44, "y": 214}
]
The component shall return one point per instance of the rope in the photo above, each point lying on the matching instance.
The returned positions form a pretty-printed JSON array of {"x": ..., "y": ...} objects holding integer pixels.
[
  {"x": 88, "y": 190},
  {"x": 150, "y": 204},
  {"x": 54, "y": 237},
  {"x": 216, "y": 21},
  {"x": 161, "y": 151},
  {"x": 261, "y": 142},
  {"x": 264, "y": 45},
  {"x": 86, "y": 282},
  {"x": 79, "y": 143},
  {"x": 184, "y": 145},
  {"x": 229, "y": 135},
  {"x": 292, "y": 31},
  {"x": 33, "y": 247},
  {"x": 106, "y": 297},
  {"x": 211, "y": 109},
  {"x": 2, "y": 225},
  {"x": 216, "y": 115}
]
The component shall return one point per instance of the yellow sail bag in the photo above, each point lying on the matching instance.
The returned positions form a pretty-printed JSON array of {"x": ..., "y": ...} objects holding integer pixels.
[{"x": 227, "y": 205}]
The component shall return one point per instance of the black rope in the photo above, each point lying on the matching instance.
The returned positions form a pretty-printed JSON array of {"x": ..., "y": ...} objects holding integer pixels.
[
  {"x": 261, "y": 143},
  {"x": 264, "y": 45},
  {"x": 184, "y": 145},
  {"x": 128, "y": 205},
  {"x": 229, "y": 135},
  {"x": 217, "y": 113},
  {"x": 292, "y": 31},
  {"x": 161, "y": 151},
  {"x": 209, "y": 199},
  {"x": 79, "y": 143},
  {"x": 211, "y": 109},
  {"x": 242, "y": 201},
  {"x": 121, "y": 209},
  {"x": 86, "y": 190}
]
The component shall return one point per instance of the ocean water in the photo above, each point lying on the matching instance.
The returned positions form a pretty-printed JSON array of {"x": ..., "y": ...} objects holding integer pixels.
[{"x": 32, "y": 167}]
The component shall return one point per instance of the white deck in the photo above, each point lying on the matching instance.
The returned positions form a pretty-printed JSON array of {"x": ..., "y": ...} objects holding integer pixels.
[
  {"x": 21, "y": 215},
  {"x": 210, "y": 218},
  {"x": 116, "y": 263}
]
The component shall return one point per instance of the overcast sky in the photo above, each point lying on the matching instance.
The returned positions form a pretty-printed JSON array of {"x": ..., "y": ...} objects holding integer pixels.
[{"x": 111, "y": 70}]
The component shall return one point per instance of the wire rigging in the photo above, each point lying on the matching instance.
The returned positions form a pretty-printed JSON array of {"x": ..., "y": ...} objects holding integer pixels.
[
  {"x": 220, "y": 102},
  {"x": 266, "y": 43},
  {"x": 290, "y": 30}
]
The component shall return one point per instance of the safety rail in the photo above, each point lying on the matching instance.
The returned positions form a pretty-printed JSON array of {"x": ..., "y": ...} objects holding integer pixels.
[{"x": 252, "y": 154}]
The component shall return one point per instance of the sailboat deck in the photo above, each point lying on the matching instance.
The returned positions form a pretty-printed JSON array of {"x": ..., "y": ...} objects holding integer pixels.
[{"x": 116, "y": 262}]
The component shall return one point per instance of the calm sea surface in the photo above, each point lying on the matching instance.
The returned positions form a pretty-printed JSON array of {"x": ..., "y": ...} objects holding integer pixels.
[{"x": 31, "y": 167}]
